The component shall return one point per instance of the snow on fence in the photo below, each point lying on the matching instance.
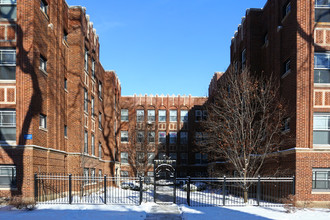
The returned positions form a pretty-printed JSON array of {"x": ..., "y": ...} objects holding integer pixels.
[{"x": 73, "y": 189}]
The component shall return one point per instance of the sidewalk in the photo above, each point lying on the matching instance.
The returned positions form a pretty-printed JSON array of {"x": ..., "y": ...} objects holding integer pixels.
[{"x": 164, "y": 212}]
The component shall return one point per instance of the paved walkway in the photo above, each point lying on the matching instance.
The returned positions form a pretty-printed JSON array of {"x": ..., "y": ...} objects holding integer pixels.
[{"x": 164, "y": 212}]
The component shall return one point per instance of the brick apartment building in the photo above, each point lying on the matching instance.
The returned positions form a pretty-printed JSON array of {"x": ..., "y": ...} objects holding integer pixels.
[
  {"x": 290, "y": 39},
  {"x": 162, "y": 127},
  {"x": 57, "y": 104},
  {"x": 61, "y": 112}
]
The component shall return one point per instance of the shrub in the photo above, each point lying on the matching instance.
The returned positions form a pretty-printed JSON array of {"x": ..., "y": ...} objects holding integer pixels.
[
  {"x": 21, "y": 203},
  {"x": 290, "y": 204}
]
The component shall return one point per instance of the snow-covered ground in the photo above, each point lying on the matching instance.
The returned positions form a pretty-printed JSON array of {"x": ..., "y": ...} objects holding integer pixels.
[{"x": 82, "y": 212}]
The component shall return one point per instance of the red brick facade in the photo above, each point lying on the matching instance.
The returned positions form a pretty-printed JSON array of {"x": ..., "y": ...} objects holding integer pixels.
[{"x": 59, "y": 35}]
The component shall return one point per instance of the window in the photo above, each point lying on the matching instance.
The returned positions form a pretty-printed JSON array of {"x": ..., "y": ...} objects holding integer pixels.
[
  {"x": 100, "y": 120},
  {"x": 200, "y": 158},
  {"x": 8, "y": 9},
  {"x": 184, "y": 158},
  {"x": 243, "y": 59},
  {"x": 151, "y": 116},
  {"x": 85, "y": 100},
  {"x": 183, "y": 138},
  {"x": 322, "y": 10},
  {"x": 321, "y": 68},
  {"x": 150, "y": 173},
  {"x": 44, "y": 7},
  {"x": 140, "y": 137},
  {"x": 93, "y": 174},
  {"x": 65, "y": 131},
  {"x": 92, "y": 105},
  {"x": 198, "y": 115},
  {"x": 204, "y": 115},
  {"x": 7, "y": 64},
  {"x": 286, "y": 9},
  {"x": 139, "y": 115},
  {"x": 321, "y": 179},
  {"x": 43, "y": 64},
  {"x": 43, "y": 121},
  {"x": 93, "y": 144},
  {"x": 124, "y": 115},
  {"x": 173, "y": 137},
  {"x": 173, "y": 156},
  {"x": 100, "y": 150},
  {"x": 65, "y": 84},
  {"x": 286, "y": 125},
  {"x": 151, "y": 157},
  {"x": 266, "y": 40},
  {"x": 286, "y": 67},
  {"x": 321, "y": 129},
  {"x": 162, "y": 156},
  {"x": 7, "y": 124},
  {"x": 151, "y": 137},
  {"x": 161, "y": 115},
  {"x": 86, "y": 175},
  {"x": 162, "y": 137},
  {"x": 65, "y": 36},
  {"x": 86, "y": 142},
  {"x": 100, "y": 90},
  {"x": 124, "y": 136},
  {"x": 7, "y": 176},
  {"x": 86, "y": 60},
  {"x": 124, "y": 173},
  {"x": 184, "y": 116},
  {"x": 140, "y": 157},
  {"x": 124, "y": 157},
  {"x": 173, "y": 115},
  {"x": 93, "y": 69},
  {"x": 100, "y": 173}
]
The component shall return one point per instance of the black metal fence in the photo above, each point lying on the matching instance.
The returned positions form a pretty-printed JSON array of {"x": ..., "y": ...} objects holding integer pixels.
[{"x": 224, "y": 191}]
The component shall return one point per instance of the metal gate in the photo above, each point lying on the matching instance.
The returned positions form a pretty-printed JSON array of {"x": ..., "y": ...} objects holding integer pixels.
[{"x": 164, "y": 183}]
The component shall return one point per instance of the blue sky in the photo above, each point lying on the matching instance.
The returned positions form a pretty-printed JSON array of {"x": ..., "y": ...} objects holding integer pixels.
[{"x": 166, "y": 46}]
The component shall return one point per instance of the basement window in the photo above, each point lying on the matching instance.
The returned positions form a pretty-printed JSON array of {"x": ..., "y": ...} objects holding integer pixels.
[
  {"x": 7, "y": 176},
  {"x": 321, "y": 179}
]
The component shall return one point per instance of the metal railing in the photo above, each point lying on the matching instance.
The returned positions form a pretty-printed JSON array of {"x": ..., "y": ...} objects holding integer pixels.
[
  {"x": 260, "y": 191},
  {"x": 224, "y": 191}
]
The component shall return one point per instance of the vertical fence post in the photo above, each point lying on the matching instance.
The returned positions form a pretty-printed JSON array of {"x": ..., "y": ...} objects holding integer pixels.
[
  {"x": 141, "y": 189},
  {"x": 70, "y": 188},
  {"x": 224, "y": 191},
  {"x": 188, "y": 191},
  {"x": 174, "y": 193},
  {"x": 258, "y": 191},
  {"x": 35, "y": 187},
  {"x": 293, "y": 185},
  {"x": 105, "y": 189}
]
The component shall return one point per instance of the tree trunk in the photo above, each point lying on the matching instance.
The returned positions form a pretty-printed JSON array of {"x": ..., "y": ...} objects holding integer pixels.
[{"x": 245, "y": 195}]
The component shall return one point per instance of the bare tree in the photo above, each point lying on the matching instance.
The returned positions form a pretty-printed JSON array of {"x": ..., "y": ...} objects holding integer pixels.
[
  {"x": 140, "y": 147},
  {"x": 245, "y": 122}
]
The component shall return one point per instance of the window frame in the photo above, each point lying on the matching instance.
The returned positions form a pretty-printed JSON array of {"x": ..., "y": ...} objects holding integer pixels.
[
  {"x": 151, "y": 137},
  {"x": 85, "y": 142},
  {"x": 11, "y": 113},
  {"x": 321, "y": 7},
  {"x": 326, "y": 179},
  {"x": 172, "y": 141},
  {"x": 44, "y": 7},
  {"x": 243, "y": 57},
  {"x": 124, "y": 115},
  {"x": 162, "y": 117},
  {"x": 172, "y": 111},
  {"x": 43, "y": 121},
  {"x": 315, "y": 129},
  {"x": 140, "y": 117},
  {"x": 124, "y": 157},
  {"x": 8, "y": 4},
  {"x": 43, "y": 64},
  {"x": 123, "y": 136},
  {"x": 151, "y": 113},
  {"x": 321, "y": 67},
  {"x": 159, "y": 137},
  {"x": 183, "y": 141},
  {"x": 184, "y": 118},
  {"x": 8, "y": 64},
  {"x": 12, "y": 177},
  {"x": 93, "y": 144},
  {"x": 198, "y": 115}
]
